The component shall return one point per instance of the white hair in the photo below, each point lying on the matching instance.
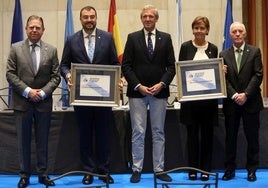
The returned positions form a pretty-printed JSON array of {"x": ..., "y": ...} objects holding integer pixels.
[{"x": 237, "y": 24}]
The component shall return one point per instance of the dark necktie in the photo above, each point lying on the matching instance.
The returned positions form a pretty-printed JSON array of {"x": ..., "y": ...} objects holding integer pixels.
[
  {"x": 150, "y": 46},
  {"x": 33, "y": 54},
  {"x": 239, "y": 57}
]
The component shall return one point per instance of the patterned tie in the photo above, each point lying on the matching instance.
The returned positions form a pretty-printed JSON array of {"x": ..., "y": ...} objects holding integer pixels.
[
  {"x": 150, "y": 46},
  {"x": 91, "y": 48},
  {"x": 33, "y": 54},
  {"x": 239, "y": 57}
]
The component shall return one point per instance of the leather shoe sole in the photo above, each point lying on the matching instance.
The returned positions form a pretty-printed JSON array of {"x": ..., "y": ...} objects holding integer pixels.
[
  {"x": 46, "y": 181},
  {"x": 252, "y": 177},
  {"x": 135, "y": 177},
  {"x": 164, "y": 177},
  {"x": 24, "y": 182},
  {"x": 228, "y": 175},
  {"x": 88, "y": 179},
  {"x": 110, "y": 179}
]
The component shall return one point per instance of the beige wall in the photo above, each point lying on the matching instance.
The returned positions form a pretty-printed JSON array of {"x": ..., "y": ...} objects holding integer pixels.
[{"x": 53, "y": 13}]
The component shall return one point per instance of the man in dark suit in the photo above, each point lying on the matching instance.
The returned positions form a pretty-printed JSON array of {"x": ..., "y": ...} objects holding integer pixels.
[
  {"x": 149, "y": 67},
  {"x": 244, "y": 100},
  {"x": 91, "y": 119},
  {"x": 32, "y": 96}
]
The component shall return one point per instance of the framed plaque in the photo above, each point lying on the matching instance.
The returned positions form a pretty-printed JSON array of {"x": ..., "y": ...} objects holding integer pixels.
[
  {"x": 200, "y": 79},
  {"x": 95, "y": 85}
]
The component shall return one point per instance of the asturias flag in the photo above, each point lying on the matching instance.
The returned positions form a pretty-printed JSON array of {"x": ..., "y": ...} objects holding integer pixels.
[
  {"x": 228, "y": 21},
  {"x": 113, "y": 27}
]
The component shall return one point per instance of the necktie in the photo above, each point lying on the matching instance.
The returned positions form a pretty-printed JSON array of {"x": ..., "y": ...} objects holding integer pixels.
[
  {"x": 91, "y": 48},
  {"x": 33, "y": 54},
  {"x": 150, "y": 46},
  {"x": 239, "y": 57}
]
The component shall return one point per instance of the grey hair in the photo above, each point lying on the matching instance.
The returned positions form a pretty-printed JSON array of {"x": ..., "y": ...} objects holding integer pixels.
[
  {"x": 151, "y": 7},
  {"x": 237, "y": 24}
]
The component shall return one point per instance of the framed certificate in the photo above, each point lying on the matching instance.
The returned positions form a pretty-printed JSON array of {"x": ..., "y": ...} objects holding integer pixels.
[
  {"x": 200, "y": 79},
  {"x": 95, "y": 85}
]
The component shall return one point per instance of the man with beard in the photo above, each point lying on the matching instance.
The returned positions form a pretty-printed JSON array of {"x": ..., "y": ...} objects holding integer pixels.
[{"x": 91, "y": 45}]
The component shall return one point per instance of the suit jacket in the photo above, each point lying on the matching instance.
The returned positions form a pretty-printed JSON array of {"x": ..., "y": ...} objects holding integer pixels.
[
  {"x": 190, "y": 109},
  {"x": 137, "y": 67},
  {"x": 247, "y": 80},
  {"x": 75, "y": 51},
  {"x": 20, "y": 74}
]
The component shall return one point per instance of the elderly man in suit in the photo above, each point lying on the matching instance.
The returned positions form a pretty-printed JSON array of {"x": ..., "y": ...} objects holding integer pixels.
[
  {"x": 91, "y": 46},
  {"x": 244, "y": 100},
  {"x": 149, "y": 67},
  {"x": 33, "y": 79}
]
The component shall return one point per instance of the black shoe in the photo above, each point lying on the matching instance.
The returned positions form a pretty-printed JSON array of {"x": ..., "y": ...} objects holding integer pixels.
[
  {"x": 204, "y": 177},
  {"x": 24, "y": 182},
  {"x": 228, "y": 175},
  {"x": 252, "y": 176},
  {"x": 164, "y": 177},
  {"x": 110, "y": 179},
  {"x": 192, "y": 175},
  {"x": 88, "y": 179},
  {"x": 45, "y": 180},
  {"x": 135, "y": 177}
]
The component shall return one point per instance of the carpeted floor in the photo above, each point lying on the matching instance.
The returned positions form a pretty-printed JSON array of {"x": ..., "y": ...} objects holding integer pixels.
[{"x": 122, "y": 181}]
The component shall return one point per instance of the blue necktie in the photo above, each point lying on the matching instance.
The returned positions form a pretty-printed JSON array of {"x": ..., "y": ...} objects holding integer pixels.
[
  {"x": 150, "y": 46},
  {"x": 33, "y": 54},
  {"x": 91, "y": 48}
]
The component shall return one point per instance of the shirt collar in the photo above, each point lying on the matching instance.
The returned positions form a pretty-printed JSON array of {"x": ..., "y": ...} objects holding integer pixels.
[
  {"x": 241, "y": 47},
  {"x": 146, "y": 32},
  {"x": 38, "y": 43},
  {"x": 85, "y": 35}
]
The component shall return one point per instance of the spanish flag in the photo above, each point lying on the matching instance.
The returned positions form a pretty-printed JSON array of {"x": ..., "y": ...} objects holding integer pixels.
[{"x": 113, "y": 27}]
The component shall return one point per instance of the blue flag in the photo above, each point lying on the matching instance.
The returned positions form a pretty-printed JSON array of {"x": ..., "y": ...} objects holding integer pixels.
[
  {"x": 17, "y": 31},
  {"x": 179, "y": 23},
  {"x": 228, "y": 21},
  {"x": 17, "y": 27},
  {"x": 69, "y": 30}
]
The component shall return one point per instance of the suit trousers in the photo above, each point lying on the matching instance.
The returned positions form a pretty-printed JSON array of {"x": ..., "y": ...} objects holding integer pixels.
[
  {"x": 24, "y": 122},
  {"x": 251, "y": 125},
  {"x": 94, "y": 126},
  {"x": 138, "y": 114}
]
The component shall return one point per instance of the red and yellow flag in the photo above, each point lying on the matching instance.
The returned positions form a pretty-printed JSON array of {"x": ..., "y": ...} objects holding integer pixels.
[{"x": 113, "y": 27}]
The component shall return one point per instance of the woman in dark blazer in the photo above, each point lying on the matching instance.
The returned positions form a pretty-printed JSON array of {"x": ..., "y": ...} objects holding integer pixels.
[{"x": 199, "y": 115}]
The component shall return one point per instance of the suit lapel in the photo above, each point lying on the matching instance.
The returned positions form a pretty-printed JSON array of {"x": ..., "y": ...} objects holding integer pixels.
[
  {"x": 244, "y": 56},
  {"x": 43, "y": 54},
  {"x": 26, "y": 50},
  {"x": 142, "y": 43},
  {"x": 158, "y": 42},
  {"x": 98, "y": 41},
  {"x": 232, "y": 59},
  {"x": 81, "y": 45}
]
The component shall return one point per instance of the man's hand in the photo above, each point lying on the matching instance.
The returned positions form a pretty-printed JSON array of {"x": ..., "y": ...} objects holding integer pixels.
[
  {"x": 35, "y": 95},
  {"x": 240, "y": 99},
  {"x": 154, "y": 90}
]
